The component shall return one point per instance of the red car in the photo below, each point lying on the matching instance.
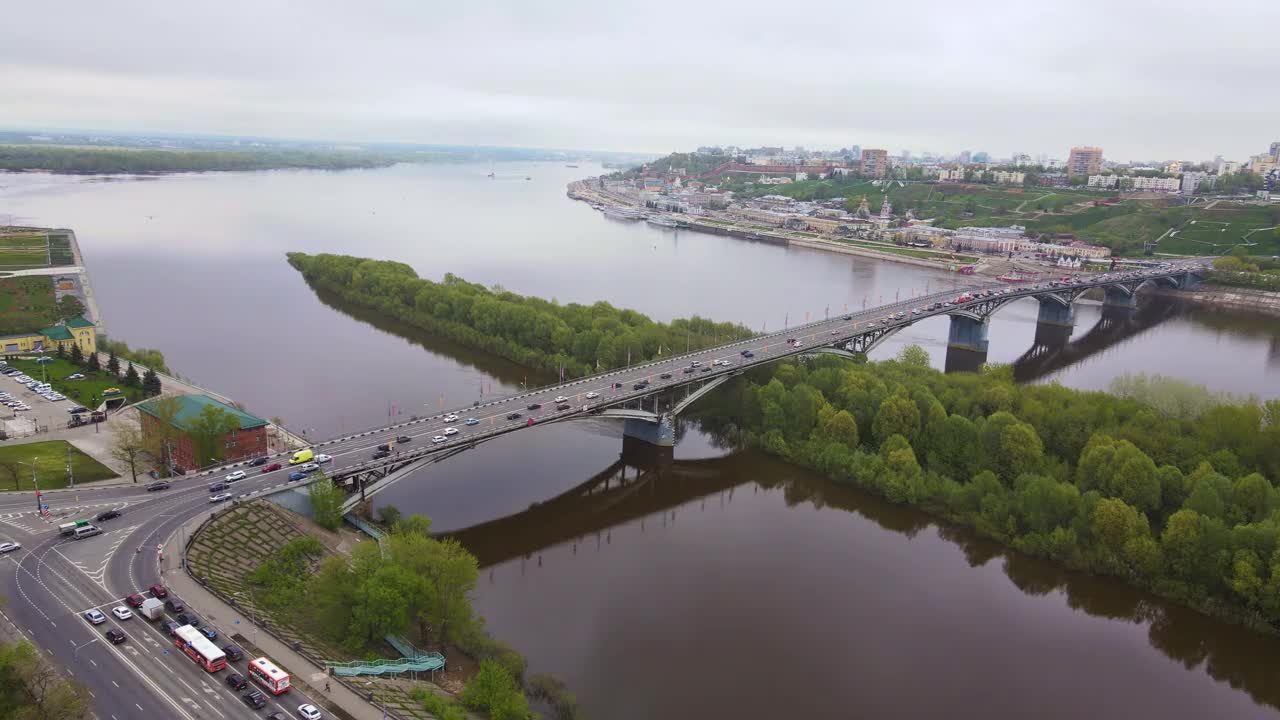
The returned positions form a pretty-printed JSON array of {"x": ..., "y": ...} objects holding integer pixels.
[
  {"x": 134, "y": 600},
  {"x": 158, "y": 591},
  {"x": 271, "y": 468}
]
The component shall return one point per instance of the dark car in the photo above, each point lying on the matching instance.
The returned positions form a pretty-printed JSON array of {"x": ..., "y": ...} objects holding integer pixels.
[
  {"x": 217, "y": 486},
  {"x": 233, "y": 653},
  {"x": 297, "y": 476},
  {"x": 706, "y": 369},
  {"x": 169, "y": 627},
  {"x": 513, "y": 416},
  {"x": 272, "y": 467},
  {"x": 640, "y": 386},
  {"x": 687, "y": 370},
  {"x": 563, "y": 406},
  {"x": 665, "y": 376},
  {"x": 158, "y": 591},
  {"x": 277, "y": 716},
  {"x": 748, "y": 354},
  {"x": 115, "y": 636},
  {"x": 402, "y": 439},
  {"x": 535, "y": 406},
  {"x": 379, "y": 454},
  {"x": 236, "y": 681},
  {"x": 107, "y": 515},
  {"x": 848, "y": 317},
  {"x": 258, "y": 461},
  {"x": 187, "y": 619},
  {"x": 209, "y": 633},
  {"x": 254, "y": 699},
  {"x": 385, "y": 446},
  {"x": 174, "y": 605},
  {"x": 158, "y": 485},
  {"x": 617, "y": 385},
  {"x": 135, "y": 600}
]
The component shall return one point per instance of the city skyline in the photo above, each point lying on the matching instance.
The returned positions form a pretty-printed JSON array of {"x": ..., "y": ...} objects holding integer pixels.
[{"x": 583, "y": 76}]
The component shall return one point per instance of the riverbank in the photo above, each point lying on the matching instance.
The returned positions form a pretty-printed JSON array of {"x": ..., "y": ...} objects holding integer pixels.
[
  {"x": 908, "y": 256},
  {"x": 1263, "y": 302}
]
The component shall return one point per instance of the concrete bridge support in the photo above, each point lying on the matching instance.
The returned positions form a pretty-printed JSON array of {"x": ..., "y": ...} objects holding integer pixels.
[
  {"x": 1052, "y": 334},
  {"x": 661, "y": 433},
  {"x": 1053, "y": 312},
  {"x": 1119, "y": 298},
  {"x": 968, "y": 334}
]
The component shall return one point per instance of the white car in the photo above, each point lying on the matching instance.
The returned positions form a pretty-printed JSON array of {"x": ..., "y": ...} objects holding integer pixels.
[
  {"x": 75, "y": 376},
  {"x": 309, "y": 467},
  {"x": 561, "y": 399},
  {"x": 451, "y": 431},
  {"x": 438, "y": 439},
  {"x": 121, "y": 612},
  {"x": 593, "y": 395},
  {"x": 450, "y": 418},
  {"x": 95, "y": 617},
  {"x": 237, "y": 475},
  {"x": 220, "y": 497},
  {"x": 8, "y": 547},
  {"x": 309, "y": 712},
  {"x": 322, "y": 459}
]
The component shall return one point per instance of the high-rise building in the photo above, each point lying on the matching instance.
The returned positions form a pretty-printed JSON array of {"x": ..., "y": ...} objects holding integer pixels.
[
  {"x": 1275, "y": 151},
  {"x": 982, "y": 156},
  {"x": 1084, "y": 161},
  {"x": 963, "y": 157},
  {"x": 875, "y": 162}
]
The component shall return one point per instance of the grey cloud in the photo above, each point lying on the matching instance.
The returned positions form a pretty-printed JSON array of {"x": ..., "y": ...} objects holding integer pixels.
[{"x": 1142, "y": 79}]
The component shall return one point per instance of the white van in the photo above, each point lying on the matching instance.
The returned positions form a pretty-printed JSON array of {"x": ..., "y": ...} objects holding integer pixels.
[{"x": 86, "y": 531}]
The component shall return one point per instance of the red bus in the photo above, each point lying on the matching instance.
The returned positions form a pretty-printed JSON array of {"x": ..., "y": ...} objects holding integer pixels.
[
  {"x": 271, "y": 678},
  {"x": 198, "y": 648}
]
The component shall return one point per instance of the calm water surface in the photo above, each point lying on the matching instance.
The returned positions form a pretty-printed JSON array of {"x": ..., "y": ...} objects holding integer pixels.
[{"x": 725, "y": 585}]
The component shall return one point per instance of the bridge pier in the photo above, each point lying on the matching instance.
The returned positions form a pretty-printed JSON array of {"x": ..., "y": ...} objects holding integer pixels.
[
  {"x": 1118, "y": 298},
  {"x": 968, "y": 334},
  {"x": 661, "y": 433},
  {"x": 962, "y": 360},
  {"x": 1053, "y": 312},
  {"x": 1053, "y": 334}
]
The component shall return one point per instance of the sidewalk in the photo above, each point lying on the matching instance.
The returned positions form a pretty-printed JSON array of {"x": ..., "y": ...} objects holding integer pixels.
[{"x": 228, "y": 620}]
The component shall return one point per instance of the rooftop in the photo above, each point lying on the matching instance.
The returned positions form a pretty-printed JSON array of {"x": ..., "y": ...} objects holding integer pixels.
[{"x": 190, "y": 407}]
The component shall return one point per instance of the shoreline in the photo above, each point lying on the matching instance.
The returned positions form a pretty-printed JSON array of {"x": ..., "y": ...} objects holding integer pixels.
[{"x": 1234, "y": 299}]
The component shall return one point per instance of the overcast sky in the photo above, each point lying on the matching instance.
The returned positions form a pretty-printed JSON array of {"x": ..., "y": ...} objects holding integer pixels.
[{"x": 1142, "y": 79}]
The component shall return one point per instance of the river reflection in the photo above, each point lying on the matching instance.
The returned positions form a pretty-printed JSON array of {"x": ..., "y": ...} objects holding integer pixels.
[{"x": 740, "y": 586}]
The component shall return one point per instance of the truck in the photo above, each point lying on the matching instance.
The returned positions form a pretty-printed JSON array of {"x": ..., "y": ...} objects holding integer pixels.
[
  {"x": 70, "y": 528},
  {"x": 152, "y": 609}
]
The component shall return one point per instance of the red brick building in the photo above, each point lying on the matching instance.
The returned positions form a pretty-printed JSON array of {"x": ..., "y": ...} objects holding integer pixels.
[{"x": 248, "y": 440}]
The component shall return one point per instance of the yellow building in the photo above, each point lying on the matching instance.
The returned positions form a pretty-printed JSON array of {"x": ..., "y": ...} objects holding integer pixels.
[{"x": 76, "y": 331}]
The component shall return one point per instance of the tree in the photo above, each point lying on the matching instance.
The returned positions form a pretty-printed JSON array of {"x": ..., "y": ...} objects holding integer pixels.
[
  {"x": 69, "y": 306},
  {"x": 448, "y": 573},
  {"x": 914, "y": 356},
  {"x": 206, "y": 431},
  {"x": 389, "y": 515},
  {"x": 30, "y": 688},
  {"x": 492, "y": 690},
  {"x": 77, "y": 355},
  {"x": 92, "y": 362},
  {"x": 165, "y": 431},
  {"x": 151, "y": 383},
  {"x": 841, "y": 428},
  {"x": 131, "y": 377},
  {"x": 898, "y": 415},
  {"x": 113, "y": 363},
  {"x": 11, "y": 469},
  {"x": 62, "y": 351},
  {"x": 326, "y": 502},
  {"x": 128, "y": 447}
]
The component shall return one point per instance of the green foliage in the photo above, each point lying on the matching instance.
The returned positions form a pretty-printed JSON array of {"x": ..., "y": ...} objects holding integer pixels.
[
  {"x": 206, "y": 429},
  {"x": 1168, "y": 486},
  {"x": 280, "y": 583},
  {"x": 493, "y": 691},
  {"x": 131, "y": 377},
  {"x": 326, "y": 502},
  {"x": 69, "y": 306},
  {"x": 77, "y": 355},
  {"x": 146, "y": 357},
  {"x": 94, "y": 161},
  {"x": 914, "y": 356},
  {"x": 31, "y": 689},
  {"x": 552, "y": 691},
  {"x": 441, "y": 708},
  {"x": 533, "y": 332}
]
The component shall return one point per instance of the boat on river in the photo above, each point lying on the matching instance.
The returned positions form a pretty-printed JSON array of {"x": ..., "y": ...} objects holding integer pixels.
[
  {"x": 663, "y": 222},
  {"x": 618, "y": 213}
]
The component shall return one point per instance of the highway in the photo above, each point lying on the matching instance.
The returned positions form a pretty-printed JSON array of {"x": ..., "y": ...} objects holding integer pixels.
[{"x": 53, "y": 580}]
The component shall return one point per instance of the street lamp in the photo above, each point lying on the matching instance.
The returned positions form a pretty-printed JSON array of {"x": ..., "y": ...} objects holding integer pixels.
[
  {"x": 240, "y": 594},
  {"x": 75, "y": 654},
  {"x": 34, "y": 482}
]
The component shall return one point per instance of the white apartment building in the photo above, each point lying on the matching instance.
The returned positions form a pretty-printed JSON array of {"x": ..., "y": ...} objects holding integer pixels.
[
  {"x": 1104, "y": 181},
  {"x": 1156, "y": 184},
  {"x": 1008, "y": 178},
  {"x": 1191, "y": 181}
]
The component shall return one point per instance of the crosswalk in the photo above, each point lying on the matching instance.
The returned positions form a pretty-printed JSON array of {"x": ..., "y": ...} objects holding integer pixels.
[{"x": 33, "y": 523}]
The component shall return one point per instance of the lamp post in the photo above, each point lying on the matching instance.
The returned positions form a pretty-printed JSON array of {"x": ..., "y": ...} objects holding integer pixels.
[
  {"x": 34, "y": 481},
  {"x": 75, "y": 654},
  {"x": 252, "y": 621}
]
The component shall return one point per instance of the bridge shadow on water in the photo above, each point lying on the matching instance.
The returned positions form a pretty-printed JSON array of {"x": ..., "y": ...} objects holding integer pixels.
[{"x": 649, "y": 490}]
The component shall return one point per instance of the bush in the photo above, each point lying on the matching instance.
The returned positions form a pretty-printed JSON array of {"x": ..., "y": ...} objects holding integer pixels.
[{"x": 494, "y": 691}]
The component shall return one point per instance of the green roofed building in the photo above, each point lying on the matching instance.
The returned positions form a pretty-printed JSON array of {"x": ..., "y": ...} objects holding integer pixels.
[{"x": 245, "y": 439}]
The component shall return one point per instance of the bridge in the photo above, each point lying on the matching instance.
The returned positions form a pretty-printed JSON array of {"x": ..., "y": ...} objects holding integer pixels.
[{"x": 641, "y": 396}]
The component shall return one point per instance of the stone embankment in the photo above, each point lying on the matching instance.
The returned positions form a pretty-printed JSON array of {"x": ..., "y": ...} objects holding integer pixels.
[{"x": 1231, "y": 298}]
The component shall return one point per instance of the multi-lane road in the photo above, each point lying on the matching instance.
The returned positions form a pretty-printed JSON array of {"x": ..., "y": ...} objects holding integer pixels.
[{"x": 52, "y": 581}]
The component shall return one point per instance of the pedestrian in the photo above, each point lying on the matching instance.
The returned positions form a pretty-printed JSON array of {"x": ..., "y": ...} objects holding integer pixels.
[{"x": 326, "y": 686}]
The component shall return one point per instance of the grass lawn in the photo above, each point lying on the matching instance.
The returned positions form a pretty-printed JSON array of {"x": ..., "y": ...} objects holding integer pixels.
[
  {"x": 80, "y": 391},
  {"x": 24, "y": 240},
  {"x": 51, "y": 465},
  {"x": 22, "y": 258},
  {"x": 26, "y": 304}
]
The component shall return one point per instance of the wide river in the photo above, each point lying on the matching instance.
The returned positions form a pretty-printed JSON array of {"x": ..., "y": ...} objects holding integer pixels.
[{"x": 724, "y": 584}]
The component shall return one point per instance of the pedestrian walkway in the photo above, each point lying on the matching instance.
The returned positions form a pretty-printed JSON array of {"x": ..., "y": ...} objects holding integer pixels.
[{"x": 229, "y": 619}]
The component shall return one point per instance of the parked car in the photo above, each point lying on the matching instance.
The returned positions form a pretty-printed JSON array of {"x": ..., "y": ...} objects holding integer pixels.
[
  {"x": 271, "y": 468},
  {"x": 76, "y": 376},
  {"x": 115, "y": 636},
  {"x": 121, "y": 612},
  {"x": 159, "y": 591},
  {"x": 236, "y": 681}
]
